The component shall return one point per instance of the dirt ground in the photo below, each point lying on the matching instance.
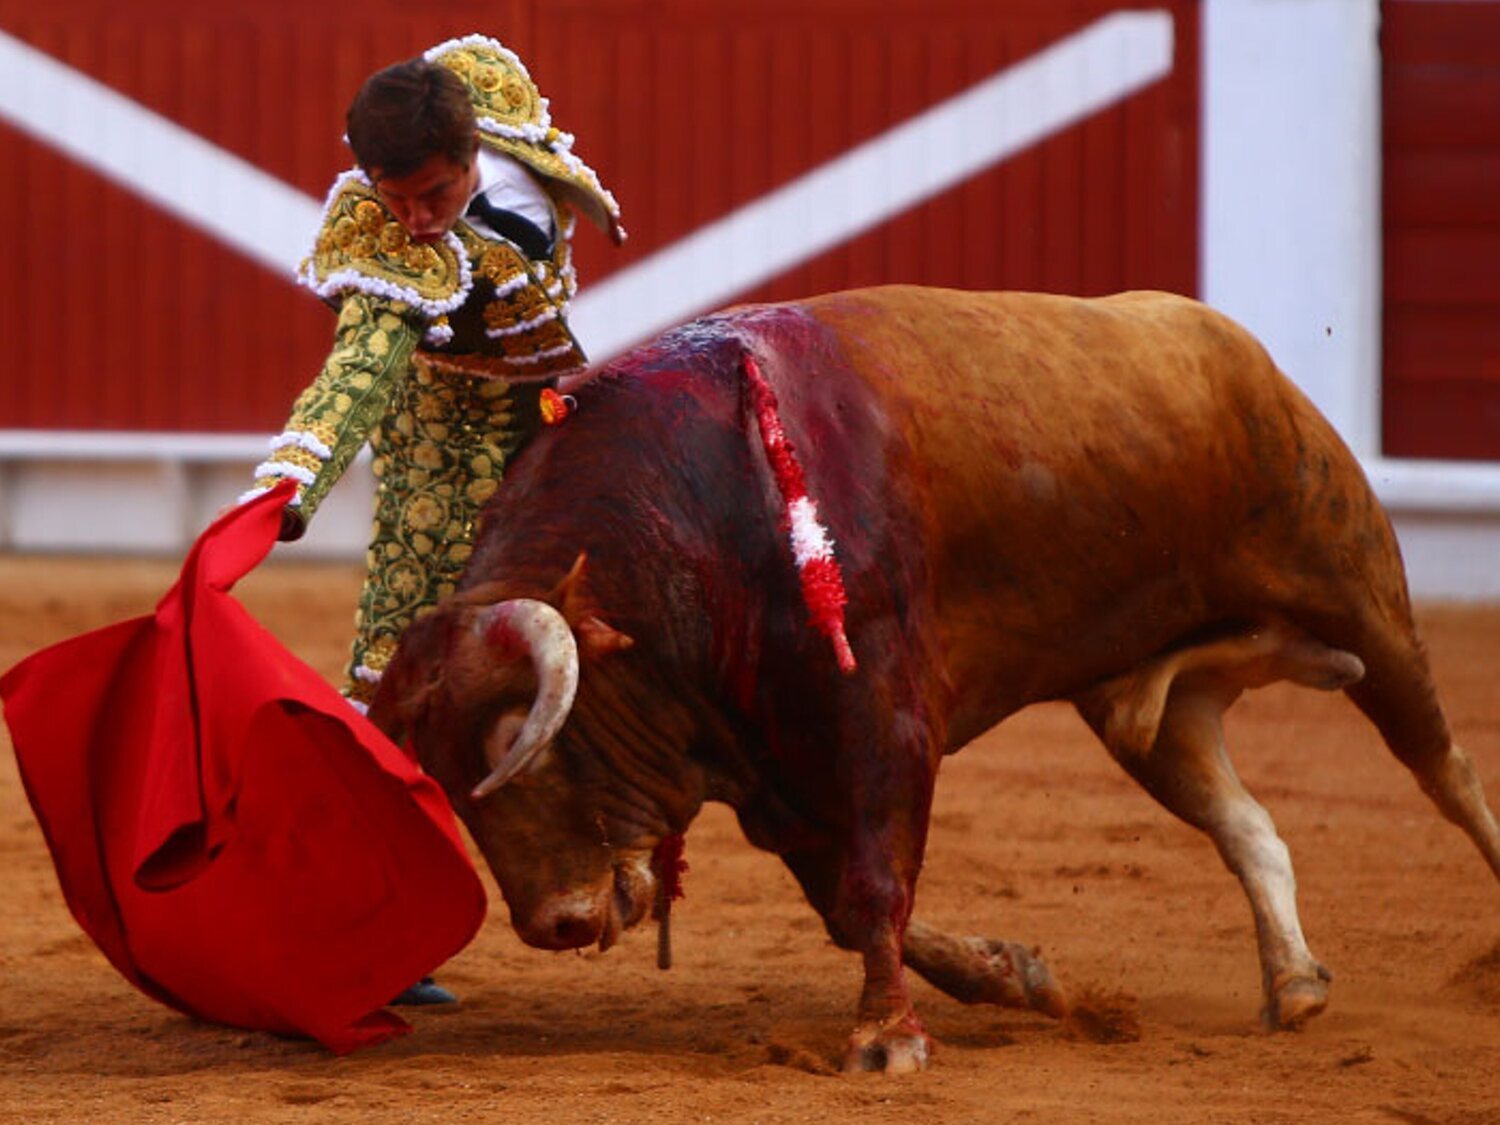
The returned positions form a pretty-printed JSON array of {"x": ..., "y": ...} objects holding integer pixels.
[{"x": 1036, "y": 837}]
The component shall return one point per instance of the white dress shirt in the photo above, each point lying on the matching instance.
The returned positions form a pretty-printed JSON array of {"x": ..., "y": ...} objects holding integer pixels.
[{"x": 507, "y": 184}]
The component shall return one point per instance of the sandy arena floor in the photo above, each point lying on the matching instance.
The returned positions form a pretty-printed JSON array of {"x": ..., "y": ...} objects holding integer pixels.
[{"x": 1037, "y": 837}]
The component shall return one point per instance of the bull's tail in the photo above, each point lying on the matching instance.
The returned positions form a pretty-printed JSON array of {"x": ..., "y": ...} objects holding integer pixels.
[
  {"x": 1398, "y": 695},
  {"x": 1361, "y": 603},
  {"x": 812, "y": 548}
]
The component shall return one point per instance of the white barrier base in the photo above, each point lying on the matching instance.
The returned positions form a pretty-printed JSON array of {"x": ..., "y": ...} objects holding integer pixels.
[{"x": 151, "y": 494}]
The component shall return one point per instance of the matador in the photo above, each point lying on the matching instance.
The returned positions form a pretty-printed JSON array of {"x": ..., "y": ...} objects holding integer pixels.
[{"x": 451, "y": 279}]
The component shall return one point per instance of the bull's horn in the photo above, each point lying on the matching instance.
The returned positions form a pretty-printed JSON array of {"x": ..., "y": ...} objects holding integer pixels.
[{"x": 524, "y": 625}]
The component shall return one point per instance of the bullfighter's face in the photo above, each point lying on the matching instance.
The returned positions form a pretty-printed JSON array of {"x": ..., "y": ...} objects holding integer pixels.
[{"x": 428, "y": 201}]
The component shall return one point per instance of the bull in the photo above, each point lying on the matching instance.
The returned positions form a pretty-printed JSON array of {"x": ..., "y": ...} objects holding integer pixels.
[{"x": 1118, "y": 502}]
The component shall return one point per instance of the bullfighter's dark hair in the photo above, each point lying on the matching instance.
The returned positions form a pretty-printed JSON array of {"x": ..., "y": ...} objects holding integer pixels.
[{"x": 407, "y": 113}]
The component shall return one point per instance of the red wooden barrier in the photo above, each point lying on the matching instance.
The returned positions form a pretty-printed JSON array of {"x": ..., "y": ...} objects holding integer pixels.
[
  {"x": 118, "y": 316},
  {"x": 1442, "y": 229}
]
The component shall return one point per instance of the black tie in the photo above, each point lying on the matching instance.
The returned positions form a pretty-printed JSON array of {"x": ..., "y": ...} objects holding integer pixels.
[{"x": 534, "y": 242}]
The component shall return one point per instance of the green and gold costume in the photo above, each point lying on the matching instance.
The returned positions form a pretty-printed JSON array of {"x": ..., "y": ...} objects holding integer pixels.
[{"x": 440, "y": 357}]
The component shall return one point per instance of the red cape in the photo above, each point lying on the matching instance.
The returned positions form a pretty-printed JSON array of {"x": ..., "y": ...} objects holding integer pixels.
[{"x": 239, "y": 841}]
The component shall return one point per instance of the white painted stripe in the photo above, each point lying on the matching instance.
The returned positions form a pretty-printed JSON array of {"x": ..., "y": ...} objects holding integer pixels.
[
  {"x": 273, "y": 223},
  {"x": 873, "y": 182},
  {"x": 198, "y": 182}
]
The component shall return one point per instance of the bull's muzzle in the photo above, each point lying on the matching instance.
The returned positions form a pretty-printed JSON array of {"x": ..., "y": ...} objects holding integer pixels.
[{"x": 575, "y": 919}]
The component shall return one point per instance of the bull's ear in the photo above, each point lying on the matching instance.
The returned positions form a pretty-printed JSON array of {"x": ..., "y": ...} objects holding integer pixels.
[
  {"x": 571, "y": 595},
  {"x": 595, "y": 638}
]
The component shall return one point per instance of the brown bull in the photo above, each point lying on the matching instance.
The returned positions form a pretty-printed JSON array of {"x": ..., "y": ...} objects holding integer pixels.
[{"x": 1118, "y": 502}]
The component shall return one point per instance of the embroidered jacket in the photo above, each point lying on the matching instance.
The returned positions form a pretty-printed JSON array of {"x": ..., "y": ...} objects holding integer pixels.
[{"x": 466, "y": 305}]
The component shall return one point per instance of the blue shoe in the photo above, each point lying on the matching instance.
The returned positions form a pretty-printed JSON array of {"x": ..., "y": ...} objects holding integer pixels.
[{"x": 425, "y": 991}]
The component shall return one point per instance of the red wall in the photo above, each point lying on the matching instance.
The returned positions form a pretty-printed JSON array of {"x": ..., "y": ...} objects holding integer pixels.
[
  {"x": 120, "y": 317},
  {"x": 1442, "y": 229}
]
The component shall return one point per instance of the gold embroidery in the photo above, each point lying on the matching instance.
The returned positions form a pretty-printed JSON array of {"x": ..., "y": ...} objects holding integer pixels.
[
  {"x": 442, "y": 450},
  {"x": 499, "y": 263},
  {"x": 524, "y": 318},
  {"x": 538, "y": 341},
  {"x": 293, "y": 455},
  {"x": 361, "y": 246},
  {"x": 342, "y": 405},
  {"x": 513, "y": 119},
  {"x": 441, "y": 420}
]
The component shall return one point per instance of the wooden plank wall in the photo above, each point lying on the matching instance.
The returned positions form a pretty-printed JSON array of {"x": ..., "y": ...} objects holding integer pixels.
[
  {"x": 120, "y": 317},
  {"x": 1442, "y": 229}
]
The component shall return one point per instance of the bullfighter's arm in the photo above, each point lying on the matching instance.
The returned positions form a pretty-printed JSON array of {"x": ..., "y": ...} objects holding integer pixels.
[{"x": 334, "y": 416}]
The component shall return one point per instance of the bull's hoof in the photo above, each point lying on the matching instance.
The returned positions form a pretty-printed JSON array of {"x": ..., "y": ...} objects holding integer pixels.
[
  {"x": 1021, "y": 978},
  {"x": 1295, "y": 998},
  {"x": 902, "y": 1047}
]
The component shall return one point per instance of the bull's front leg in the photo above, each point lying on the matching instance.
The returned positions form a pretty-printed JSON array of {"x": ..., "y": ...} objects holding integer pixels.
[
  {"x": 861, "y": 875},
  {"x": 889, "y": 1035},
  {"x": 865, "y": 905},
  {"x": 859, "y": 854},
  {"x": 981, "y": 970}
]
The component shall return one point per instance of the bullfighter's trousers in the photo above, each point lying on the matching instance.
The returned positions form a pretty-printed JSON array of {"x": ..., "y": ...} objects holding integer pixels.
[{"x": 439, "y": 454}]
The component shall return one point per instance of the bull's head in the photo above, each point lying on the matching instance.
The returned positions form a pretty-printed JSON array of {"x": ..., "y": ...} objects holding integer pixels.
[{"x": 486, "y": 691}]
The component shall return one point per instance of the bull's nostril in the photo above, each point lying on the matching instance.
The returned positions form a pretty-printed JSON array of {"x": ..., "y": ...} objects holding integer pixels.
[{"x": 571, "y": 932}]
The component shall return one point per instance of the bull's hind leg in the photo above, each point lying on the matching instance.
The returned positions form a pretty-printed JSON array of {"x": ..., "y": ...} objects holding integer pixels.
[
  {"x": 1399, "y": 698},
  {"x": 1451, "y": 781},
  {"x": 1164, "y": 724}
]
